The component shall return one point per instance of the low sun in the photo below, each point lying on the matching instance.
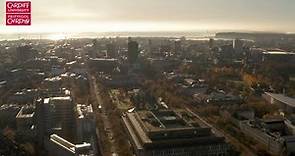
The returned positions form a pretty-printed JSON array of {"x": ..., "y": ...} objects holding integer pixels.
[{"x": 57, "y": 37}]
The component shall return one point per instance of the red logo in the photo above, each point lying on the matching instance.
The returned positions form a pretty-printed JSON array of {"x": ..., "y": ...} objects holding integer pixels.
[
  {"x": 18, "y": 19},
  {"x": 18, "y": 7},
  {"x": 18, "y": 13}
]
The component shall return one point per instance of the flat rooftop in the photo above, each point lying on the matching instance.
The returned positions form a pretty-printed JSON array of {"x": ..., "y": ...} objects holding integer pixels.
[
  {"x": 26, "y": 112},
  {"x": 162, "y": 120},
  {"x": 103, "y": 59},
  {"x": 278, "y": 53},
  {"x": 282, "y": 98},
  {"x": 62, "y": 143},
  {"x": 62, "y": 98},
  {"x": 73, "y": 148},
  {"x": 59, "y": 98},
  {"x": 167, "y": 128},
  {"x": 84, "y": 110}
]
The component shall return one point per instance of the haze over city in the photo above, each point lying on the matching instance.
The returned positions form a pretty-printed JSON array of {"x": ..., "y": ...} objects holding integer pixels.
[
  {"x": 70, "y": 16},
  {"x": 147, "y": 78}
]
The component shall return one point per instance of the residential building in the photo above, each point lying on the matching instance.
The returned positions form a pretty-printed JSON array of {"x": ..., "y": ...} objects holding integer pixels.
[{"x": 284, "y": 102}]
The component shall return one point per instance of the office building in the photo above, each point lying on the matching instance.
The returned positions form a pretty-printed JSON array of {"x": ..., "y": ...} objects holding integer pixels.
[
  {"x": 286, "y": 103},
  {"x": 111, "y": 50},
  {"x": 133, "y": 51},
  {"x": 103, "y": 65},
  {"x": 238, "y": 45},
  {"x": 211, "y": 43},
  {"x": 171, "y": 133},
  {"x": 55, "y": 115},
  {"x": 271, "y": 134},
  {"x": 85, "y": 122},
  {"x": 177, "y": 47},
  {"x": 25, "y": 53}
]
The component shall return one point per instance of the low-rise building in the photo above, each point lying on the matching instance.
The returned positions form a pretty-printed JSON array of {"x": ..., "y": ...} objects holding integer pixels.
[
  {"x": 259, "y": 56},
  {"x": 118, "y": 81},
  {"x": 23, "y": 96},
  {"x": 103, "y": 65},
  {"x": 163, "y": 64},
  {"x": 284, "y": 102},
  {"x": 8, "y": 112},
  {"x": 218, "y": 97},
  {"x": 271, "y": 133},
  {"x": 278, "y": 56},
  {"x": 193, "y": 87},
  {"x": 58, "y": 146},
  {"x": 25, "y": 118}
]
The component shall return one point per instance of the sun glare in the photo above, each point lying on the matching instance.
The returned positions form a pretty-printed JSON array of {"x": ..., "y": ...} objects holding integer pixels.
[{"x": 57, "y": 37}]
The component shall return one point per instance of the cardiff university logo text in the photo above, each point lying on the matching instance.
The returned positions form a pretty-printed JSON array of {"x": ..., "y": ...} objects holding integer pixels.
[{"x": 18, "y": 13}]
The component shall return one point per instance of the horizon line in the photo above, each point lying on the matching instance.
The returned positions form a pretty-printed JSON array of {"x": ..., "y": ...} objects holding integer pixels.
[{"x": 153, "y": 31}]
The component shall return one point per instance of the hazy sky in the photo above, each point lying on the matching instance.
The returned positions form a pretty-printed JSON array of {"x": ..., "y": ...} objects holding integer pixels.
[{"x": 157, "y": 15}]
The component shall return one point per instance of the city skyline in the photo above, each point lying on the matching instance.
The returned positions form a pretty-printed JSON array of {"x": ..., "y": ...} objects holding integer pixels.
[
  {"x": 147, "y": 78},
  {"x": 143, "y": 16}
]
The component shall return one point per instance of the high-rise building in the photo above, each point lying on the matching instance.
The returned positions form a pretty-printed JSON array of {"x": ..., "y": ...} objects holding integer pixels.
[
  {"x": 171, "y": 133},
  {"x": 150, "y": 46},
  {"x": 25, "y": 120},
  {"x": 238, "y": 45},
  {"x": 25, "y": 53},
  {"x": 85, "y": 123},
  {"x": 211, "y": 43},
  {"x": 133, "y": 51},
  {"x": 56, "y": 115},
  {"x": 111, "y": 50},
  {"x": 177, "y": 47},
  {"x": 94, "y": 49}
]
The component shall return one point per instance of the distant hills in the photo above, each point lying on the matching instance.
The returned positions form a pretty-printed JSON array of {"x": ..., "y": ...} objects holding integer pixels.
[{"x": 255, "y": 36}]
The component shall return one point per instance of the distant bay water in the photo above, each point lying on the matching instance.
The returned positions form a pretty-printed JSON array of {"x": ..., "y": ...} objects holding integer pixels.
[{"x": 188, "y": 35}]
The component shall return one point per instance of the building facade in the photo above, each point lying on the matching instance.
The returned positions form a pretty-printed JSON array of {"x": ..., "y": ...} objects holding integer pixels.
[{"x": 171, "y": 133}]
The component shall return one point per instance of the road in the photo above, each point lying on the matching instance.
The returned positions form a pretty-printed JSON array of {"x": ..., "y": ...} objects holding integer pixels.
[
  {"x": 104, "y": 117},
  {"x": 108, "y": 130}
]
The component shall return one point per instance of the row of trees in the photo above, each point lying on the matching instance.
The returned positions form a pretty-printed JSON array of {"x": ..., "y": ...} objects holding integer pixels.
[{"x": 114, "y": 116}]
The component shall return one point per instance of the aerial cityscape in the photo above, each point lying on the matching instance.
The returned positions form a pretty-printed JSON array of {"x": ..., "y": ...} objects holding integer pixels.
[{"x": 188, "y": 79}]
